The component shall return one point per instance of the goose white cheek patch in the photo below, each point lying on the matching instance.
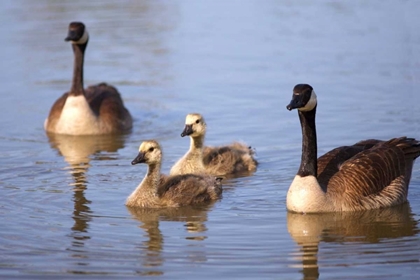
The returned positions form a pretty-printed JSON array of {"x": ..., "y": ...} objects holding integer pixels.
[
  {"x": 311, "y": 103},
  {"x": 82, "y": 40}
]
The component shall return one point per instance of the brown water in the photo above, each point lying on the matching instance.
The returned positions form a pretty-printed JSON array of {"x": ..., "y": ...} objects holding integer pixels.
[{"x": 62, "y": 210}]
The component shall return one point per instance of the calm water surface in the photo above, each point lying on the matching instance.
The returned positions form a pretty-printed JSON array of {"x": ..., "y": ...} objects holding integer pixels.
[{"x": 62, "y": 210}]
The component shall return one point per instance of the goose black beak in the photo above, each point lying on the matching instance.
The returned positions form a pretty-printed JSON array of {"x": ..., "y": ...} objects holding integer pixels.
[
  {"x": 296, "y": 102},
  {"x": 72, "y": 36},
  {"x": 139, "y": 159},
  {"x": 187, "y": 130}
]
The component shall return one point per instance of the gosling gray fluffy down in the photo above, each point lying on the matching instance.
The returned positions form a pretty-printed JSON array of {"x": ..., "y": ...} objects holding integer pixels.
[
  {"x": 233, "y": 159},
  {"x": 156, "y": 191}
]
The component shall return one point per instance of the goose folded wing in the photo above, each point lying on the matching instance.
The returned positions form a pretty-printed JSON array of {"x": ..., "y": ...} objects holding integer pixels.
[
  {"x": 330, "y": 163},
  {"x": 375, "y": 174}
]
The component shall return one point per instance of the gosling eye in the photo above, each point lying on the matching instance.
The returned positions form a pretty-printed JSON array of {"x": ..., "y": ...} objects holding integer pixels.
[
  {"x": 197, "y": 121},
  {"x": 151, "y": 149}
]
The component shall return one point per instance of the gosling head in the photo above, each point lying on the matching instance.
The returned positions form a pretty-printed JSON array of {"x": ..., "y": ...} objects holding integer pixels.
[
  {"x": 149, "y": 153},
  {"x": 303, "y": 98},
  {"x": 77, "y": 33},
  {"x": 195, "y": 125}
]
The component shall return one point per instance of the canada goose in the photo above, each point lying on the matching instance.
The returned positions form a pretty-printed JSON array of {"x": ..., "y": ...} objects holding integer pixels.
[
  {"x": 171, "y": 191},
  {"x": 97, "y": 110},
  {"x": 235, "y": 158},
  {"x": 370, "y": 174}
]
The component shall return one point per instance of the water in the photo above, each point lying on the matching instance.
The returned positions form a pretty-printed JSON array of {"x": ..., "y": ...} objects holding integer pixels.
[{"x": 62, "y": 210}]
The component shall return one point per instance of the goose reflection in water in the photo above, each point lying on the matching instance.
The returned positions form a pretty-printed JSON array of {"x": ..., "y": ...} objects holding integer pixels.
[
  {"x": 78, "y": 152},
  {"x": 194, "y": 218},
  {"x": 364, "y": 227}
]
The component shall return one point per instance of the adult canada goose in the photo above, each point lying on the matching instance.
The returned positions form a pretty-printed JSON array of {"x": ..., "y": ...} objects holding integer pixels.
[
  {"x": 370, "y": 174},
  {"x": 235, "y": 158},
  {"x": 170, "y": 191},
  {"x": 97, "y": 110}
]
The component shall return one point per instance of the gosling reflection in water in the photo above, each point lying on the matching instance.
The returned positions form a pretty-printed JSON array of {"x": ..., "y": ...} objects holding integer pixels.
[
  {"x": 372, "y": 226},
  {"x": 194, "y": 218},
  {"x": 78, "y": 152}
]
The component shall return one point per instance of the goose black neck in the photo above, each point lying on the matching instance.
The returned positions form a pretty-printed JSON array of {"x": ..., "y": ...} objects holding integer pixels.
[
  {"x": 308, "y": 165},
  {"x": 77, "y": 83}
]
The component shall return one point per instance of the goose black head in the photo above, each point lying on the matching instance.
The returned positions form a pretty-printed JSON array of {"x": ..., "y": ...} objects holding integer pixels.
[
  {"x": 303, "y": 98},
  {"x": 77, "y": 33}
]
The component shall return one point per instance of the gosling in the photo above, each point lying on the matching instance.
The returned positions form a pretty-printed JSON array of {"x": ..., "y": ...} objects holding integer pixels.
[
  {"x": 157, "y": 191},
  {"x": 232, "y": 160}
]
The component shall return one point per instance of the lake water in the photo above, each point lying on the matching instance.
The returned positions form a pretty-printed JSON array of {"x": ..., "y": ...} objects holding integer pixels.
[{"x": 62, "y": 210}]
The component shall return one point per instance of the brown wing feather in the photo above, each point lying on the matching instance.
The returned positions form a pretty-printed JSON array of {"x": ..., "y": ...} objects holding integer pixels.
[
  {"x": 369, "y": 143},
  {"x": 190, "y": 189},
  {"x": 373, "y": 178},
  {"x": 106, "y": 102},
  {"x": 329, "y": 164}
]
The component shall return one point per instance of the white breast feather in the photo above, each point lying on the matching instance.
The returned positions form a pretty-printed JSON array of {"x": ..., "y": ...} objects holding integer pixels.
[
  {"x": 305, "y": 195},
  {"x": 77, "y": 117}
]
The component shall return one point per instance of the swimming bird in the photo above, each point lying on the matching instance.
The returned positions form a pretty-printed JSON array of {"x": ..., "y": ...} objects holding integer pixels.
[
  {"x": 157, "y": 191},
  {"x": 97, "y": 110},
  {"x": 233, "y": 159},
  {"x": 370, "y": 174}
]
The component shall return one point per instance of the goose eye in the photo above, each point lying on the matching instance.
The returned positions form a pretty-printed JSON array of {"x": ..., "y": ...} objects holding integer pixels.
[
  {"x": 197, "y": 121},
  {"x": 151, "y": 149}
]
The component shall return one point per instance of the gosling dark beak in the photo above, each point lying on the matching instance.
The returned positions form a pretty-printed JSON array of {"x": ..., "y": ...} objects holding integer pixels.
[
  {"x": 187, "y": 130},
  {"x": 139, "y": 159},
  {"x": 296, "y": 102}
]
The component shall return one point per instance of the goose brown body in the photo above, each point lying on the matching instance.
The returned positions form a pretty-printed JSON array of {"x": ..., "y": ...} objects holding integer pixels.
[
  {"x": 234, "y": 159},
  {"x": 370, "y": 174},
  {"x": 157, "y": 191},
  {"x": 99, "y": 109}
]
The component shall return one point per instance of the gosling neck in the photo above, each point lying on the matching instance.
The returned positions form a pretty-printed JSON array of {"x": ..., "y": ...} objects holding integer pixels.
[
  {"x": 151, "y": 180},
  {"x": 77, "y": 82},
  {"x": 308, "y": 165},
  {"x": 196, "y": 145},
  {"x": 146, "y": 192}
]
